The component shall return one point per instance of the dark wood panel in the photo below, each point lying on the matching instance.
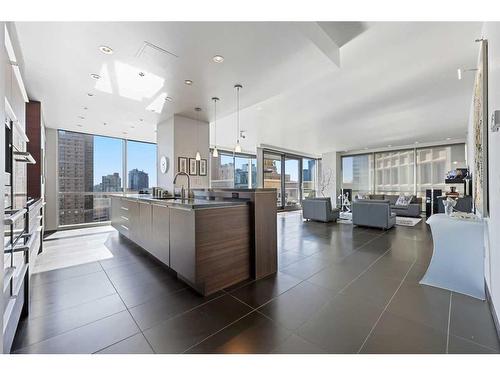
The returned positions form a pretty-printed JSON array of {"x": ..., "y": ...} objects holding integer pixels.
[
  {"x": 34, "y": 133},
  {"x": 265, "y": 232},
  {"x": 223, "y": 247}
]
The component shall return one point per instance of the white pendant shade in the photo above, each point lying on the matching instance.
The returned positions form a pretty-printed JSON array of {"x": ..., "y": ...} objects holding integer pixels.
[
  {"x": 197, "y": 110},
  {"x": 237, "y": 148},
  {"x": 215, "y": 153}
]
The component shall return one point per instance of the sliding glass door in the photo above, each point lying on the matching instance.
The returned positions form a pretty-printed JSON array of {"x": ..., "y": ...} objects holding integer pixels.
[
  {"x": 293, "y": 177},
  {"x": 292, "y": 183},
  {"x": 230, "y": 170},
  {"x": 272, "y": 174}
]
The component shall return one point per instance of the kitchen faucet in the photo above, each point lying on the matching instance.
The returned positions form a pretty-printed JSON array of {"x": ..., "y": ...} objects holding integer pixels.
[{"x": 189, "y": 184}]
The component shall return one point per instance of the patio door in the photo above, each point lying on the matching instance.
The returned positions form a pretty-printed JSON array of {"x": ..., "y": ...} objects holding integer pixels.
[{"x": 284, "y": 173}]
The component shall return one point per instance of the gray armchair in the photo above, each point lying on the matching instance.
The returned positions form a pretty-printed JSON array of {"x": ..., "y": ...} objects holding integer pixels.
[
  {"x": 373, "y": 213},
  {"x": 319, "y": 209}
]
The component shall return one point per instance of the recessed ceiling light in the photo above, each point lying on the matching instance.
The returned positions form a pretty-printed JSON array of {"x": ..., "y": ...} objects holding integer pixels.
[
  {"x": 448, "y": 138},
  {"x": 95, "y": 76},
  {"x": 169, "y": 99},
  {"x": 133, "y": 127},
  {"x": 141, "y": 74},
  {"x": 80, "y": 125},
  {"x": 188, "y": 82},
  {"x": 105, "y": 123},
  {"x": 81, "y": 117},
  {"x": 106, "y": 50},
  {"x": 389, "y": 145},
  {"x": 141, "y": 119},
  {"x": 366, "y": 148},
  {"x": 125, "y": 133},
  {"x": 416, "y": 142},
  {"x": 259, "y": 108},
  {"x": 218, "y": 59},
  {"x": 90, "y": 94}
]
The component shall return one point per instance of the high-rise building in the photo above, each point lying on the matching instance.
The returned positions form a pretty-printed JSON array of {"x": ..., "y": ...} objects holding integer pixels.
[
  {"x": 138, "y": 180},
  {"x": 111, "y": 182},
  {"x": 76, "y": 173}
]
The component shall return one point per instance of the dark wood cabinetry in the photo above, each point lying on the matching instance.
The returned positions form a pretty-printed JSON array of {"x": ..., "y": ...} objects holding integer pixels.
[
  {"x": 34, "y": 128},
  {"x": 210, "y": 247}
]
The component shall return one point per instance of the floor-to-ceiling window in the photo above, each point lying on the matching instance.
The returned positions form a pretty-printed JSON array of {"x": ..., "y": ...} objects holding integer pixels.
[
  {"x": 309, "y": 177},
  {"x": 294, "y": 177},
  {"x": 89, "y": 166},
  {"x": 394, "y": 172},
  {"x": 432, "y": 165},
  {"x": 292, "y": 182},
  {"x": 230, "y": 170},
  {"x": 357, "y": 173},
  {"x": 272, "y": 174},
  {"x": 141, "y": 165},
  {"x": 409, "y": 171}
]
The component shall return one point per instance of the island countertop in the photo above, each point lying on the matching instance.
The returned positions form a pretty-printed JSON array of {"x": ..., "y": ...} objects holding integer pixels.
[
  {"x": 192, "y": 204},
  {"x": 213, "y": 241}
]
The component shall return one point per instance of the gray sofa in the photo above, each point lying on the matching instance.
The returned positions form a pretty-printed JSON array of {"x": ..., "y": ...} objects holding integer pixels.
[
  {"x": 373, "y": 213},
  {"x": 319, "y": 209},
  {"x": 412, "y": 210}
]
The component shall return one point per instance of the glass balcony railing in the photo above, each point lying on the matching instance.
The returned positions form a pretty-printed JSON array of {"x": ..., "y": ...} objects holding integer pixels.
[{"x": 83, "y": 208}]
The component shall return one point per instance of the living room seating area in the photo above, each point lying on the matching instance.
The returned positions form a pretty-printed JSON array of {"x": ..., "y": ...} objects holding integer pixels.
[
  {"x": 411, "y": 209},
  {"x": 373, "y": 213}
]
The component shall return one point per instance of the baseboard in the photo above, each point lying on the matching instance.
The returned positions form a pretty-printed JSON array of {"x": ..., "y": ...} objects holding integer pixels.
[
  {"x": 47, "y": 233},
  {"x": 492, "y": 310}
]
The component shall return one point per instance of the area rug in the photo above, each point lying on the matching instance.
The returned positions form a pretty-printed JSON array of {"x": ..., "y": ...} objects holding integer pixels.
[
  {"x": 408, "y": 221},
  {"x": 345, "y": 218}
]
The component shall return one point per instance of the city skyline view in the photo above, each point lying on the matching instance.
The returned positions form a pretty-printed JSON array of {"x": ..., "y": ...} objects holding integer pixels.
[
  {"x": 108, "y": 158},
  {"x": 90, "y": 164}
]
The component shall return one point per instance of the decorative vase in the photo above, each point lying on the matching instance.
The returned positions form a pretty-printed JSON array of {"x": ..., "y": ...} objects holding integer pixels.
[{"x": 448, "y": 204}]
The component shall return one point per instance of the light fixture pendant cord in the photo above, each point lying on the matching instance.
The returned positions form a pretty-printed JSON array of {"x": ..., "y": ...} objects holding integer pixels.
[
  {"x": 215, "y": 127},
  {"x": 238, "y": 114}
]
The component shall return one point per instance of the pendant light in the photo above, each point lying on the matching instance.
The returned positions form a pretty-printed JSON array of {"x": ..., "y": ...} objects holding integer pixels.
[
  {"x": 197, "y": 110},
  {"x": 237, "y": 148},
  {"x": 215, "y": 153}
]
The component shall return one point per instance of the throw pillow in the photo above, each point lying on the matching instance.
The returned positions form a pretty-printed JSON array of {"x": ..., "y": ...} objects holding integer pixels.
[
  {"x": 362, "y": 196},
  {"x": 403, "y": 200}
]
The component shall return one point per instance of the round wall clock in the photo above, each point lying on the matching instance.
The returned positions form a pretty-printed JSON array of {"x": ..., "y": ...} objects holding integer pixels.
[{"x": 164, "y": 164}]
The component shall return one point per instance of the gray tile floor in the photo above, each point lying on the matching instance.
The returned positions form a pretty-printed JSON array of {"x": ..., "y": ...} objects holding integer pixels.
[{"x": 339, "y": 289}]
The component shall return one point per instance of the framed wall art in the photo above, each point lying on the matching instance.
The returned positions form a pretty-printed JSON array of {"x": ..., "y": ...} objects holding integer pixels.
[
  {"x": 193, "y": 167},
  {"x": 182, "y": 164}
]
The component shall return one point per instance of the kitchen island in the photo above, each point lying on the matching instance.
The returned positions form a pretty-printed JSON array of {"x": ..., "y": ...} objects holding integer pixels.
[{"x": 209, "y": 241}]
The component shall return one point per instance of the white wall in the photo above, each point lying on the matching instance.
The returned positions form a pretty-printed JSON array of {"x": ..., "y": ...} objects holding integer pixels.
[
  {"x": 491, "y": 31},
  {"x": 51, "y": 209},
  {"x": 165, "y": 146},
  {"x": 191, "y": 136},
  {"x": 330, "y": 162},
  {"x": 181, "y": 137}
]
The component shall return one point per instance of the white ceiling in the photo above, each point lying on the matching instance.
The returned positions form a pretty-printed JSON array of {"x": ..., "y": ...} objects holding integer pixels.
[{"x": 396, "y": 83}]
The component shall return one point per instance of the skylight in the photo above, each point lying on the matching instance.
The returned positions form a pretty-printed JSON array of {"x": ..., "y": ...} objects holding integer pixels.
[{"x": 131, "y": 82}]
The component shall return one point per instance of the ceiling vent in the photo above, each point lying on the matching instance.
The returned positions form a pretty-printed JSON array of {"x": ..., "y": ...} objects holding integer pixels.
[{"x": 156, "y": 55}]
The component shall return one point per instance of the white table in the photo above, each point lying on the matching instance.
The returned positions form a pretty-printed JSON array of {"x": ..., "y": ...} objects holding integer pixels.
[{"x": 457, "y": 263}]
